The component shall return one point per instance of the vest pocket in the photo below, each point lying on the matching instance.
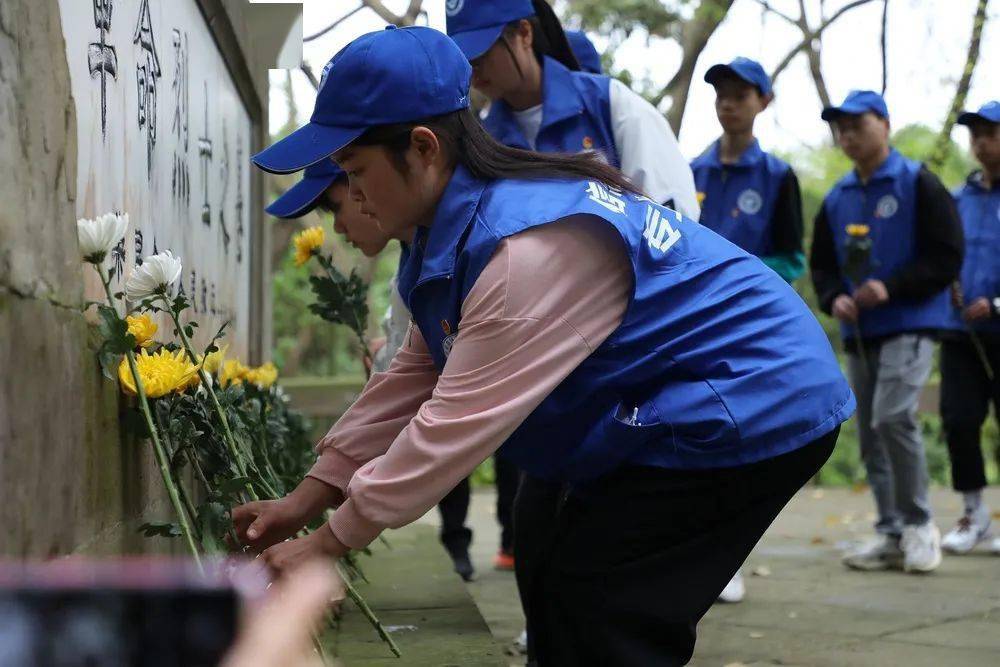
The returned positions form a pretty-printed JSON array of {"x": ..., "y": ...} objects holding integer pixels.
[
  {"x": 614, "y": 438},
  {"x": 697, "y": 419}
]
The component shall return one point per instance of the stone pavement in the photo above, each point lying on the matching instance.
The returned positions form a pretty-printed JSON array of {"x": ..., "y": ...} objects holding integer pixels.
[{"x": 802, "y": 606}]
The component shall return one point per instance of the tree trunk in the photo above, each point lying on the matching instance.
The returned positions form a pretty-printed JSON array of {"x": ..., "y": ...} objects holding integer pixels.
[
  {"x": 957, "y": 102},
  {"x": 694, "y": 36}
]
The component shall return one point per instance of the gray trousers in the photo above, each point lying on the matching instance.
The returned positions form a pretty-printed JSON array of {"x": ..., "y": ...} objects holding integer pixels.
[{"x": 891, "y": 444}]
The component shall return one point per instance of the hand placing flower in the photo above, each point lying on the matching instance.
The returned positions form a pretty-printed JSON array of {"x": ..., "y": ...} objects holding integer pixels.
[
  {"x": 153, "y": 277},
  {"x": 307, "y": 244},
  {"x": 98, "y": 236},
  {"x": 143, "y": 328},
  {"x": 287, "y": 556}
]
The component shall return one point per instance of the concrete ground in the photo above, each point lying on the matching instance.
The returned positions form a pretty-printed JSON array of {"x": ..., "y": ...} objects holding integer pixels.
[{"x": 802, "y": 606}]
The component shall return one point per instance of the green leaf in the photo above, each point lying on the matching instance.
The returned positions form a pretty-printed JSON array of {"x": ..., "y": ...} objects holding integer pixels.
[
  {"x": 214, "y": 521},
  {"x": 160, "y": 530},
  {"x": 233, "y": 485}
]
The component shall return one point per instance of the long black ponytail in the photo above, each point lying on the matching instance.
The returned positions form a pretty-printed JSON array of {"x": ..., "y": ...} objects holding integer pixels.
[{"x": 466, "y": 142}]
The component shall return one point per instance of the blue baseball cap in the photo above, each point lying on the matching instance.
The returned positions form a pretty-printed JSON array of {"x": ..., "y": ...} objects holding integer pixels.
[
  {"x": 475, "y": 25},
  {"x": 390, "y": 76},
  {"x": 585, "y": 51},
  {"x": 856, "y": 103},
  {"x": 304, "y": 196},
  {"x": 988, "y": 112},
  {"x": 742, "y": 68}
]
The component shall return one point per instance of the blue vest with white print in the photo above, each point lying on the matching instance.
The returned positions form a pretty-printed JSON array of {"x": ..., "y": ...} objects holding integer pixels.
[
  {"x": 576, "y": 115},
  {"x": 717, "y": 362},
  {"x": 737, "y": 200},
  {"x": 886, "y": 205},
  {"x": 979, "y": 208}
]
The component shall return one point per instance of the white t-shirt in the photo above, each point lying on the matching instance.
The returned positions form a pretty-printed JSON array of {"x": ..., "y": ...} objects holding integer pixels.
[{"x": 649, "y": 153}]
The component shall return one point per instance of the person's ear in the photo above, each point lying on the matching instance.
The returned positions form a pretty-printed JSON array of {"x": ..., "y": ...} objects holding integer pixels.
[
  {"x": 765, "y": 100},
  {"x": 525, "y": 34},
  {"x": 424, "y": 146}
]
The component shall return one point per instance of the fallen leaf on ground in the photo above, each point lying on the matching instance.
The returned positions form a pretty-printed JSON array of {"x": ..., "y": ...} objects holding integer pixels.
[
  {"x": 817, "y": 540},
  {"x": 859, "y": 487},
  {"x": 762, "y": 571},
  {"x": 756, "y": 635},
  {"x": 793, "y": 614}
]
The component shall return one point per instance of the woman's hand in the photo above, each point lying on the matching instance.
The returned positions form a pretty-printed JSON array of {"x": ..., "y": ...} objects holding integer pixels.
[
  {"x": 289, "y": 556},
  {"x": 263, "y": 523}
]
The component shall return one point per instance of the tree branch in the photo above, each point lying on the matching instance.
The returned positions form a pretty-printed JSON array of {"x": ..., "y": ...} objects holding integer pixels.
[
  {"x": 308, "y": 71},
  {"x": 412, "y": 12},
  {"x": 814, "y": 34},
  {"x": 334, "y": 24},
  {"x": 768, "y": 8},
  {"x": 961, "y": 92},
  {"x": 885, "y": 54}
]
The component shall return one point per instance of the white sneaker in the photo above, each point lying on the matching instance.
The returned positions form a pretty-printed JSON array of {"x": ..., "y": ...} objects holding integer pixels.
[
  {"x": 521, "y": 643},
  {"x": 734, "y": 590},
  {"x": 921, "y": 547},
  {"x": 881, "y": 553},
  {"x": 968, "y": 532},
  {"x": 995, "y": 546}
]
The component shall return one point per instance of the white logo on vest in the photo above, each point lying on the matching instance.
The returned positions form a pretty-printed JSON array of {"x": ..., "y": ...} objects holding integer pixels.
[
  {"x": 750, "y": 202},
  {"x": 447, "y": 344},
  {"x": 607, "y": 196},
  {"x": 453, "y": 7},
  {"x": 658, "y": 232},
  {"x": 886, "y": 207}
]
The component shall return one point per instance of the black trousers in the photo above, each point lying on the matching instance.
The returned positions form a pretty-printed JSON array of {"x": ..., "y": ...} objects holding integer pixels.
[
  {"x": 454, "y": 509},
  {"x": 620, "y": 571},
  {"x": 966, "y": 392}
]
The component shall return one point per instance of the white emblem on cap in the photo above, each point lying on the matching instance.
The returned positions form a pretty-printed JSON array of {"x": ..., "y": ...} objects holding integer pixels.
[
  {"x": 324, "y": 75},
  {"x": 886, "y": 207},
  {"x": 749, "y": 201},
  {"x": 452, "y": 7}
]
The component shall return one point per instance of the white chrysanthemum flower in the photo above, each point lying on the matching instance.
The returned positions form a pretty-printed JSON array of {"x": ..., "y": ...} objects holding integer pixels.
[
  {"x": 97, "y": 237},
  {"x": 153, "y": 276}
]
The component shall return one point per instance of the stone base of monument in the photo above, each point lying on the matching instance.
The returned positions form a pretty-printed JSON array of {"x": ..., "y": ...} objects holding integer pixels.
[{"x": 417, "y": 595}]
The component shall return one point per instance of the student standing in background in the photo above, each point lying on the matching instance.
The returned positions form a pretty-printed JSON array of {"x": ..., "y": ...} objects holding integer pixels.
[
  {"x": 748, "y": 196},
  {"x": 889, "y": 317},
  {"x": 970, "y": 377}
]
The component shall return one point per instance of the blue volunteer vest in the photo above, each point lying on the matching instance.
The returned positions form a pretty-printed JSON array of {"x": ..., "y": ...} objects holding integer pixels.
[
  {"x": 716, "y": 363},
  {"x": 886, "y": 205},
  {"x": 979, "y": 208},
  {"x": 576, "y": 115},
  {"x": 737, "y": 200}
]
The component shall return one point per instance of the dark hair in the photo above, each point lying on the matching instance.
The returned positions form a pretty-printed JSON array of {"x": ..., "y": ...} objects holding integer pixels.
[
  {"x": 548, "y": 36},
  {"x": 466, "y": 142}
]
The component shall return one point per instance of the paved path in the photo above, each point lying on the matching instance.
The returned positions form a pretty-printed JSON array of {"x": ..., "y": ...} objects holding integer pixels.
[{"x": 802, "y": 606}]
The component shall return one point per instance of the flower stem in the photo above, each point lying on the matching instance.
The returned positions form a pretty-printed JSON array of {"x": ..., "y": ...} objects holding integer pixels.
[
  {"x": 161, "y": 458},
  {"x": 367, "y": 611},
  {"x": 357, "y": 326},
  {"x": 206, "y": 382}
]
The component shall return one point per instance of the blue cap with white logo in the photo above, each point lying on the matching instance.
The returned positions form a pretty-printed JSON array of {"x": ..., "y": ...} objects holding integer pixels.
[
  {"x": 989, "y": 112},
  {"x": 585, "y": 51},
  {"x": 304, "y": 196},
  {"x": 856, "y": 103},
  {"x": 363, "y": 86},
  {"x": 475, "y": 25},
  {"x": 742, "y": 68}
]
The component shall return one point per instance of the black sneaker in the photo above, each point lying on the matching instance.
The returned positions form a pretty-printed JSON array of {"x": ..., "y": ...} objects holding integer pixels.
[{"x": 463, "y": 566}]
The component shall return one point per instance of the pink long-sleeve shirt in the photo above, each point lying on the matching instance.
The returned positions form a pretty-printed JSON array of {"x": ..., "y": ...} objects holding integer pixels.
[{"x": 546, "y": 300}]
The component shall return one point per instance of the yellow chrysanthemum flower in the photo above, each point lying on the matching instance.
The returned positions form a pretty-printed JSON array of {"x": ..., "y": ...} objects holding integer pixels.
[
  {"x": 213, "y": 361},
  {"x": 307, "y": 244},
  {"x": 263, "y": 376},
  {"x": 161, "y": 373},
  {"x": 143, "y": 328},
  {"x": 232, "y": 372},
  {"x": 857, "y": 230}
]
